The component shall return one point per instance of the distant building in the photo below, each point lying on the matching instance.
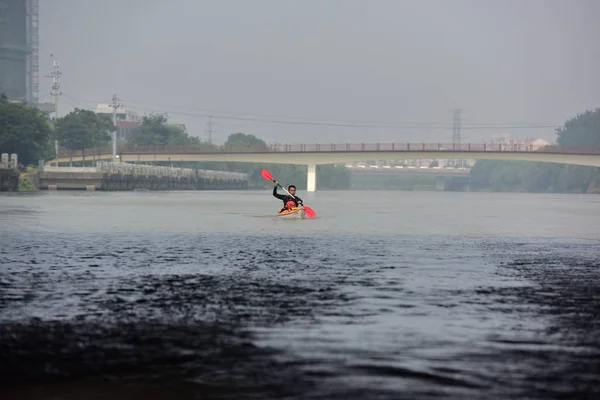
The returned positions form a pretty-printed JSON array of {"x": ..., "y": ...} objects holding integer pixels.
[
  {"x": 519, "y": 144},
  {"x": 536, "y": 144},
  {"x": 126, "y": 119}
]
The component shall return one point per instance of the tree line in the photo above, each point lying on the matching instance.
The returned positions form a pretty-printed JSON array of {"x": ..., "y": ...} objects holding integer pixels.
[{"x": 582, "y": 130}]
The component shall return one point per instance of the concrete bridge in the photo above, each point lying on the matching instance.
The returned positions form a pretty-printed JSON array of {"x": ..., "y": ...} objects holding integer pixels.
[{"x": 316, "y": 154}]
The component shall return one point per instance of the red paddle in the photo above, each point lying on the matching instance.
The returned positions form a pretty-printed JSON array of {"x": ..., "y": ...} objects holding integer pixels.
[{"x": 307, "y": 210}]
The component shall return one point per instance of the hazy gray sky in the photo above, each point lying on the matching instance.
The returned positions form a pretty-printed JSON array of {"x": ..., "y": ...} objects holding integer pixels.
[{"x": 503, "y": 62}]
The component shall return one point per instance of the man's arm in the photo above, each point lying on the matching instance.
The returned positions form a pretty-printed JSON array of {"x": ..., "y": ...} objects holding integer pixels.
[
  {"x": 298, "y": 199},
  {"x": 277, "y": 195}
]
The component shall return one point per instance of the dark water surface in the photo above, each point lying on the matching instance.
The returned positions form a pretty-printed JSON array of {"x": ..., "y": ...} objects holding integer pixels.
[{"x": 206, "y": 295}]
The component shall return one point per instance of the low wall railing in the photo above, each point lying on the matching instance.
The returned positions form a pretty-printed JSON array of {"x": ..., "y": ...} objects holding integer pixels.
[
  {"x": 71, "y": 169},
  {"x": 136, "y": 169}
]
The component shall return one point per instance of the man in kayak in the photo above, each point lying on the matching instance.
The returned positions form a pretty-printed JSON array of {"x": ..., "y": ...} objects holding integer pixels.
[{"x": 289, "y": 202}]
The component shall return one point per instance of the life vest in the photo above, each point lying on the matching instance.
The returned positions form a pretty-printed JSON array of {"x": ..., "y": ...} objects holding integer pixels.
[{"x": 290, "y": 204}]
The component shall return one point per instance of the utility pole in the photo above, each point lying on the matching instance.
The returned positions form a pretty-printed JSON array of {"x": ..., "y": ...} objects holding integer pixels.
[
  {"x": 456, "y": 140},
  {"x": 55, "y": 75},
  {"x": 209, "y": 127},
  {"x": 114, "y": 106}
]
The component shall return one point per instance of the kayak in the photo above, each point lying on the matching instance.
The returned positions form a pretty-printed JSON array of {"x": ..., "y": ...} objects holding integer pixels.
[{"x": 296, "y": 212}]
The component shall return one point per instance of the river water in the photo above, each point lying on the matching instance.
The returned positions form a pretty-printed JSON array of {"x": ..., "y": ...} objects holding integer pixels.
[{"x": 385, "y": 295}]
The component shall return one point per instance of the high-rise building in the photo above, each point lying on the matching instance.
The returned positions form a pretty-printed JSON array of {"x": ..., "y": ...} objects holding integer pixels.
[{"x": 19, "y": 50}]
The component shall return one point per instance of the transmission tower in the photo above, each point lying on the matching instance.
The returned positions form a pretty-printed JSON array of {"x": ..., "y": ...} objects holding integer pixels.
[
  {"x": 456, "y": 129},
  {"x": 55, "y": 75},
  {"x": 456, "y": 133},
  {"x": 209, "y": 128}
]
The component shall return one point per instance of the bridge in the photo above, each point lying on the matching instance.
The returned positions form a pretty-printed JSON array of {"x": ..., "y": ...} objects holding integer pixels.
[{"x": 319, "y": 154}]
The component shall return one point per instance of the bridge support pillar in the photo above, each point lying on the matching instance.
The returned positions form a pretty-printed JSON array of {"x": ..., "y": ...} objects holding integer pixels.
[{"x": 311, "y": 178}]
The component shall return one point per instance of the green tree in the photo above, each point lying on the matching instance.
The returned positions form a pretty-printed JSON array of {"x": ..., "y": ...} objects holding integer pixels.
[
  {"x": 156, "y": 131},
  {"x": 582, "y": 130},
  {"x": 81, "y": 129},
  {"x": 24, "y": 131},
  {"x": 243, "y": 140}
]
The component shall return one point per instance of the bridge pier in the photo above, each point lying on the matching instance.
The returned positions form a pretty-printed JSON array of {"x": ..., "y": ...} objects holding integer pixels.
[{"x": 311, "y": 178}]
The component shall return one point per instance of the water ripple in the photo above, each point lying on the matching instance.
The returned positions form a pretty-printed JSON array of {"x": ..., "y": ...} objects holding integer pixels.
[{"x": 298, "y": 317}]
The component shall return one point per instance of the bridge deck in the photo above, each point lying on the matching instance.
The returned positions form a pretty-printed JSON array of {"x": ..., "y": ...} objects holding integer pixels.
[{"x": 331, "y": 148}]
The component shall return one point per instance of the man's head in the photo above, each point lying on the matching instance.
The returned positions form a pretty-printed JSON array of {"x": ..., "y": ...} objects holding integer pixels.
[{"x": 292, "y": 189}]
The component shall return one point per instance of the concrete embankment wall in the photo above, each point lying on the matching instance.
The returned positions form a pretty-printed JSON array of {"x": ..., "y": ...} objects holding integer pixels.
[
  {"x": 9, "y": 176},
  {"x": 124, "y": 182},
  {"x": 9, "y": 180},
  {"x": 110, "y": 176},
  {"x": 70, "y": 180}
]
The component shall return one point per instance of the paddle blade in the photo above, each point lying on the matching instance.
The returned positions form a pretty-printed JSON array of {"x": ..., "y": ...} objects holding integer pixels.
[
  {"x": 267, "y": 175},
  {"x": 309, "y": 212}
]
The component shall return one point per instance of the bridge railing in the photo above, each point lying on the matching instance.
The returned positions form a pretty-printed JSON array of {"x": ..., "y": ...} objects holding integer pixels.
[
  {"x": 330, "y": 147},
  {"x": 225, "y": 175},
  {"x": 429, "y": 147}
]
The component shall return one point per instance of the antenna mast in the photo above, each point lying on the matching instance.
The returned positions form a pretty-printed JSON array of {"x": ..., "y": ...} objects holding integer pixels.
[
  {"x": 456, "y": 139},
  {"x": 55, "y": 75},
  {"x": 209, "y": 126},
  {"x": 114, "y": 106}
]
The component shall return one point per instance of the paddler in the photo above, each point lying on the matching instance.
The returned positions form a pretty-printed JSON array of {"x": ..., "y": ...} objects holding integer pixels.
[{"x": 289, "y": 202}]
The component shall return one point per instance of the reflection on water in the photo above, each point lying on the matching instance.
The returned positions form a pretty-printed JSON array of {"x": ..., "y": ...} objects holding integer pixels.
[{"x": 246, "y": 309}]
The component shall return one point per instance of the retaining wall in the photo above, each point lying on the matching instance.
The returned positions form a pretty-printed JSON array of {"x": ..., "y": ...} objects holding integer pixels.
[{"x": 9, "y": 180}]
